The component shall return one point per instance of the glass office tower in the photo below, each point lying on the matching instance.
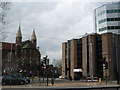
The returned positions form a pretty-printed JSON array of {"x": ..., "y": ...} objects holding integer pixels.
[{"x": 107, "y": 18}]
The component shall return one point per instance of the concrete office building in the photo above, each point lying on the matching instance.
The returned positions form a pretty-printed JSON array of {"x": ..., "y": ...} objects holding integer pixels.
[
  {"x": 72, "y": 58},
  {"x": 83, "y": 57},
  {"x": 92, "y": 56},
  {"x": 107, "y": 18}
]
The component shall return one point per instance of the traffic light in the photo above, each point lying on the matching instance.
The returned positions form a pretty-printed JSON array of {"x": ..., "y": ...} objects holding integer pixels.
[
  {"x": 104, "y": 59},
  {"x": 47, "y": 61},
  {"x": 105, "y": 63},
  {"x": 44, "y": 60}
]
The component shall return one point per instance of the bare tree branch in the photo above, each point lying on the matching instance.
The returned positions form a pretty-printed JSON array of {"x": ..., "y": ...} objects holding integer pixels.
[
  {"x": 57, "y": 63},
  {"x": 4, "y": 6}
]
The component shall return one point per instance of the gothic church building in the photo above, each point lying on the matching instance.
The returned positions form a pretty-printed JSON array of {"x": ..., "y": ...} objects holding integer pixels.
[{"x": 22, "y": 56}]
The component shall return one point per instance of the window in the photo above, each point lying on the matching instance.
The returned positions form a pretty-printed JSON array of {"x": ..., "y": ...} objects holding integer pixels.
[
  {"x": 109, "y": 19},
  {"x": 116, "y": 19},
  {"x": 102, "y": 29},
  {"x": 101, "y": 13},
  {"x": 102, "y": 21},
  {"x": 112, "y": 19},
  {"x": 116, "y": 27},
  {"x": 109, "y": 28},
  {"x": 113, "y": 11},
  {"x": 109, "y": 11},
  {"x": 112, "y": 27}
]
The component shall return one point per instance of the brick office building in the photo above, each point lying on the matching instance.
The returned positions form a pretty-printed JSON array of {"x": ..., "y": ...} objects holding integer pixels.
[
  {"x": 84, "y": 56},
  {"x": 21, "y": 56}
]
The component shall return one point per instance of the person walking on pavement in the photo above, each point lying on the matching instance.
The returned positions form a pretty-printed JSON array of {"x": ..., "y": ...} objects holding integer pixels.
[{"x": 52, "y": 81}]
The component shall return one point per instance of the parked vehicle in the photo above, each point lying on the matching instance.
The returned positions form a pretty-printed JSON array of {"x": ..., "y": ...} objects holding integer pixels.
[
  {"x": 1, "y": 80},
  {"x": 27, "y": 80},
  {"x": 92, "y": 79},
  {"x": 11, "y": 80},
  {"x": 61, "y": 77}
]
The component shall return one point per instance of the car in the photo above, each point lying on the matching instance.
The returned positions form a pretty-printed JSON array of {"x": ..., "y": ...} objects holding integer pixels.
[
  {"x": 92, "y": 79},
  {"x": 1, "y": 80},
  {"x": 27, "y": 80},
  {"x": 61, "y": 77},
  {"x": 11, "y": 80}
]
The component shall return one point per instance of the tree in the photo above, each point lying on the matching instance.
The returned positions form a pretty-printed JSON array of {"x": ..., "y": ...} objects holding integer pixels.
[
  {"x": 4, "y": 6},
  {"x": 57, "y": 63},
  {"x": 10, "y": 63}
]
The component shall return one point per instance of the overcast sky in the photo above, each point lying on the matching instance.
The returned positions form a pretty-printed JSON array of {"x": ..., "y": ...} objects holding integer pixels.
[{"x": 54, "y": 23}]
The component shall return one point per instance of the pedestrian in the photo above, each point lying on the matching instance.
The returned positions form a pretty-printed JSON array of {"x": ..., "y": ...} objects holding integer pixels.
[
  {"x": 70, "y": 78},
  {"x": 52, "y": 81}
]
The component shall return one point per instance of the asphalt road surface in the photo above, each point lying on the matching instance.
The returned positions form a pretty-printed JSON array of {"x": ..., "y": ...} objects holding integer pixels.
[
  {"x": 61, "y": 84},
  {"x": 73, "y": 88}
]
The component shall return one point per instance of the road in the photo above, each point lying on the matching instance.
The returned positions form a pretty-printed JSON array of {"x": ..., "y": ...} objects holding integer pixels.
[{"x": 62, "y": 84}]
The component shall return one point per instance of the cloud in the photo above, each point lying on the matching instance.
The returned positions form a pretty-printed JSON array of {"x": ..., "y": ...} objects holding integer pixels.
[
  {"x": 63, "y": 0},
  {"x": 54, "y": 23}
]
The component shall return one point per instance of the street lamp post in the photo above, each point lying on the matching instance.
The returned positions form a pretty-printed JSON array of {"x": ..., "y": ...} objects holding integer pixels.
[
  {"x": 106, "y": 72},
  {"x": 38, "y": 63},
  {"x": 47, "y": 64},
  {"x": 42, "y": 68},
  {"x": 105, "y": 67}
]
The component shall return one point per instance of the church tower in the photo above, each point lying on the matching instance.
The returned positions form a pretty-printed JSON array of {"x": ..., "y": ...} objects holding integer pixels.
[
  {"x": 33, "y": 38},
  {"x": 18, "y": 43},
  {"x": 19, "y": 36}
]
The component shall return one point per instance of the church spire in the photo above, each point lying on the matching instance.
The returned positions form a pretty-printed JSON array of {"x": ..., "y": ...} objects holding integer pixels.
[
  {"x": 19, "y": 36},
  {"x": 19, "y": 32},
  {"x": 33, "y": 38},
  {"x": 33, "y": 35}
]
